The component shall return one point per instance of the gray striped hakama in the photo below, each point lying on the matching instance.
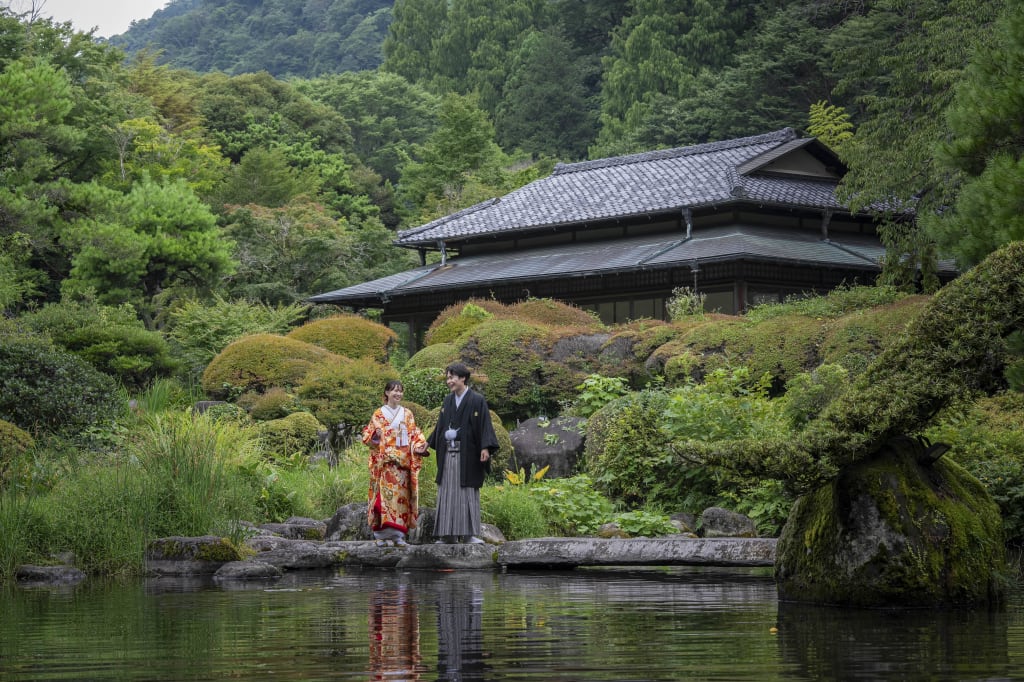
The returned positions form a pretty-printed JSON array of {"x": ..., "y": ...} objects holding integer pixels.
[{"x": 458, "y": 508}]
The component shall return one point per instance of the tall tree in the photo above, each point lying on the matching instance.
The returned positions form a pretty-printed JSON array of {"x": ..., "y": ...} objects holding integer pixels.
[
  {"x": 144, "y": 247},
  {"x": 898, "y": 65},
  {"x": 986, "y": 149}
]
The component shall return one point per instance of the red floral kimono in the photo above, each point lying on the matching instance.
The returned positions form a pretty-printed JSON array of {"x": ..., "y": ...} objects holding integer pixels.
[{"x": 394, "y": 469}]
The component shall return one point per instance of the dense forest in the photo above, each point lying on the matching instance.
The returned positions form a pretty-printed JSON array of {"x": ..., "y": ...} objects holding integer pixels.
[
  {"x": 279, "y": 182},
  {"x": 176, "y": 191}
]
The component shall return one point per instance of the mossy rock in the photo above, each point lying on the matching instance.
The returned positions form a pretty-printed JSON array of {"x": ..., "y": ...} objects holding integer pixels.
[
  {"x": 350, "y": 336},
  {"x": 260, "y": 361},
  {"x": 296, "y": 433},
  {"x": 893, "y": 532}
]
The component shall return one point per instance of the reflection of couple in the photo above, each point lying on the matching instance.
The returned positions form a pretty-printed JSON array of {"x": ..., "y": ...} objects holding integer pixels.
[
  {"x": 394, "y": 626},
  {"x": 395, "y": 633}
]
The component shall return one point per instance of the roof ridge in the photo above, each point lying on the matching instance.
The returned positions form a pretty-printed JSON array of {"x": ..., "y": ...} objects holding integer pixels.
[
  {"x": 783, "y": 135},
  {"x": 448, "y": 218}
]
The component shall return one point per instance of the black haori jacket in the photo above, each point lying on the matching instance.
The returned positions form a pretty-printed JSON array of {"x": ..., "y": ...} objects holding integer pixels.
[{"x": 473, "y": 420}]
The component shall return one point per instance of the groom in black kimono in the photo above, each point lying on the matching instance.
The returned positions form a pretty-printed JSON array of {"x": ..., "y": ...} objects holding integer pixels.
[{"x": 464, "y": 441}]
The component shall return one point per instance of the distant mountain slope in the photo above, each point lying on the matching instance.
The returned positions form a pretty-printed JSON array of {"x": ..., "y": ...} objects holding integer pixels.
[{"x": 303, "y": 38}]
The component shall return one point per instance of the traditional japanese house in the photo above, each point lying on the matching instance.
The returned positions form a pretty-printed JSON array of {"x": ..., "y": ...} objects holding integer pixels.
[{"x": 743, "y": 221}]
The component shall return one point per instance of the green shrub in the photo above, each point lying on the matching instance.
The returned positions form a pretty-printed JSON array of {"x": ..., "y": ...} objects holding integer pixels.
[
  {"x": 113, "y": 340},
  {"x": 595, "y": 392},
  {"x": 294, "y": 434},
  {"x": 514, "y": 510},
  {"x": 645, "y": 524},
  {"x": 258, "y": 362},
  {"x": 685, "y": 303},
  {"x": 199, "y": 331},
  {"x": 838, "y": 302},
  {"x": 808, "y": 393},
  {"x": 448, "y": 327},
  {"x": 434, "y": 355},
  {"x": 425, "y": 386},
  {"x": 858, "y": 337},
  {"x": 345, "y": 391},
  {"x": 276, "y": 403},
  {"x": 46, "y": 388},
  {"x": 572, "y": 506},
  {"x": 350, "y": 336},
  {"x": 552, "y": 313}
]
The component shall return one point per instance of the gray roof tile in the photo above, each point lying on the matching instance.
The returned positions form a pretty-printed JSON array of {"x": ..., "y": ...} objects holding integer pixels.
[{"x": 638, "y": 184}]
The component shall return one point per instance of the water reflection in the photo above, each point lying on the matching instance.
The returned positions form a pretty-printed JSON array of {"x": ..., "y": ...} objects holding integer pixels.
[
  {"x": 394, "y": 628},
  {"x": 614, "y": 625},
  {"x": 460, "y": 651}
]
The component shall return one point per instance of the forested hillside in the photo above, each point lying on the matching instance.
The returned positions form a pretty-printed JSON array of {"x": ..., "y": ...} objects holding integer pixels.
[{"x": 286, "y": 187}]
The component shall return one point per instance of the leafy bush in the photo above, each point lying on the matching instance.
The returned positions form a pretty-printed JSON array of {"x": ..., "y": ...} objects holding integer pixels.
[
  {"x": 434, "y": 355},
  {"x": 113, "y": 340},
  {"x": 572, "y": 505},
  {"x": 260, "y": 361},
  {"x": 838, "y": 302},
  {"x": 425, "y": 386},
  {"x": 641, "y": 523},
  {"x": 595, "y": 392},
  {"x": 43, "y": 387},
  {"x": 727, "y": 406},
  {"x": 276, "y": 403},
  {"x": 199, "y": 331},
  {"x": 808, "y": 393},
  {"x": 13, "y": 443},
  {"x": 454, "y": 321},
  {"x": 514, "y": 510},
  {"x": 294, "y": 434},
  {"x": 551, "y": 313},
  {"x": 345, "y": 391},
  {"x": 685, "y": 303},
  {"x": 767, "y": 503},
  {"x": 350, "y": 336}
]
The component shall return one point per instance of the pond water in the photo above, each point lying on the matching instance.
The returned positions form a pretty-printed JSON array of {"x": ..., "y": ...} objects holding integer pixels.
[{"x": 622, "y": 625}]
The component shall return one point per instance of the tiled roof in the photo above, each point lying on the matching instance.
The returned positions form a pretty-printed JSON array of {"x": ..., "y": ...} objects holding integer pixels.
[
  {"x": 638, "y": 184},
  {"x": 581, "y": 259}
]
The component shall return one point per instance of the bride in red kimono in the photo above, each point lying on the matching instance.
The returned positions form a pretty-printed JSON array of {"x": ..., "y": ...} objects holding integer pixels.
[{"x": 396, "y": 446}]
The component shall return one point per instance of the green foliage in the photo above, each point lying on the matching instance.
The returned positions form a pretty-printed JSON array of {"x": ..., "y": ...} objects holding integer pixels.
[
  {"x": 767, "y": 503},
  {"x": 1015, "y": 361},
  {"x": 14, "y": 442},
  {"x": 156, "y": 238},
  {"x": 349, "y": 336},
  {"x": 830, "y": 124},
  {"x": 260, "y": 361},
  {"x": 199, "y": 331},
  {"x": 685, "y": 303},
  {"x": 345, "y": 390},
  {"x": 986, "y": 438},
  {"x": 514, "y": 510},
  {"x": 287, "y": 436},
  {"x": 113, "y": 340},
  {"x": 809, "y": 393},
  {"x": 276, "y": 403},
  {"x": 645, "y": 524},
  {"x": 434, "y": 355},
  {"x": 595, "y": 392},
  {"x": 842, "y": 300},
  {"x": 23, "y": 532},
  {"x": 425, "y": 386},
  {"x": 45, "y": 388},
  {"x": 572, "y": 505},
  {"x": 447, "y": 328}
]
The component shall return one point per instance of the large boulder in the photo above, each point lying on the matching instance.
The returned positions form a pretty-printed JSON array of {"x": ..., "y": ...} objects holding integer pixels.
[
  {"x": 556, "y": 443},
  {"x": 902, "y": 528}
]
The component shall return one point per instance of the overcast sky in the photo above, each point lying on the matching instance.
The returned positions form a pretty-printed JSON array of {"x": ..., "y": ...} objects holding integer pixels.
[{"x": 112, "y": 17}]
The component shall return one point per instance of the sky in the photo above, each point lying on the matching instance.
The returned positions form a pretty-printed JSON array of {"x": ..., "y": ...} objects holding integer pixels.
[{"x": 112, "y": 17}]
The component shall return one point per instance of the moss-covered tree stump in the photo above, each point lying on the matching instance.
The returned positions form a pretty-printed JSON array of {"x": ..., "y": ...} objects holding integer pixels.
[{"x": 894, "y": 530}]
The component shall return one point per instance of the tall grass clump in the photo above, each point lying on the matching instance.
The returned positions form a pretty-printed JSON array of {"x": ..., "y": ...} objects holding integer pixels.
[
  {"x": 193, "y": 473},
  {"x": 21, "y": 531},
  {"x": 514, "y": 510}
]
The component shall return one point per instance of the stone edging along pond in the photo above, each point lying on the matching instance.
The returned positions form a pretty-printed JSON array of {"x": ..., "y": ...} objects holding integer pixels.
[{"x": 181, "y": 556}]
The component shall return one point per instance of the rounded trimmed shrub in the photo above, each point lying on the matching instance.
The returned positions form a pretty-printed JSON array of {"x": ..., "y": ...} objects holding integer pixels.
[
  {"x": 257, "y": 362},
  {"x": 458, "y": 318},
  {"x": 345, "y": 390},
  {"x": 296, "y": 433},
  {"x": 425, "y": 386},
  {"x": 276, "y": 403},
  {"x": 436, "y": 355},
  {"x": 553, "y": 313},
  {"x": 350, "y": 336}
]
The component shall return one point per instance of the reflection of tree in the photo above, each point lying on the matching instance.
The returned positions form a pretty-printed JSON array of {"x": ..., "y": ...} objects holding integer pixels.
[
  {"x": 460, "y": 654},
  {"x": 904, "y": 646},
  {"x": 394, "y": 634}
]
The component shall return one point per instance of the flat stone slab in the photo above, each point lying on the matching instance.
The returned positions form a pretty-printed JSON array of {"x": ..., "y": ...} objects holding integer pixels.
[{"x": 665, "y": 551}]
